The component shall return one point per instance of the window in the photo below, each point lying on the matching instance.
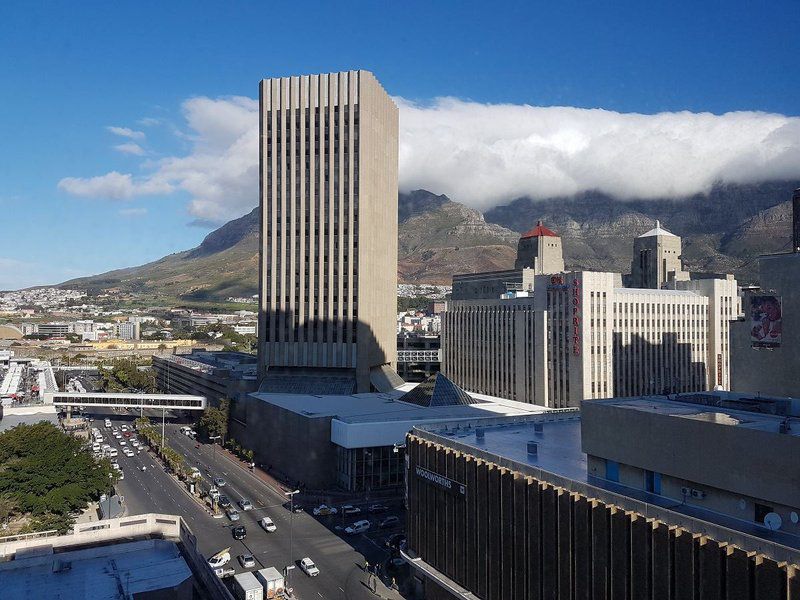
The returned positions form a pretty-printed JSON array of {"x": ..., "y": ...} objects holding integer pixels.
[
  {"x": 761, "y": 511},
  {"x": 612, "y": 470},
  {"x": 652, "y": 482}
]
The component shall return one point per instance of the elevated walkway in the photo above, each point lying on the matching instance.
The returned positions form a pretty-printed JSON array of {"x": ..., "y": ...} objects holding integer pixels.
[{"x": 123, "y": 400}]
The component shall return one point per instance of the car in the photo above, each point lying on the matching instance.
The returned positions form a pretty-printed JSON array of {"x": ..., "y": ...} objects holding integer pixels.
[
  {"x": 224, "y": 502},
  {"x": 396, "y": 540},
  {"x": 194, "y": 473},
  {"x": 239, "y": 532},
  {"x": 233, "y": 514},
  {"x": 121, "y": 475},
  {"x": 219, "y": 482},
  {"x": 297, "y": 508},
  {"x": 389, "y": 522},
  {"x": 308, "y": 567},
  {"x": 223, "y": 572},
  {"x": 268, "y": 524},
  {"x": 349, "y": 509},
  {"x": 378, "y": 508},
  {"x": 115, "y": 465},
  {"x": 247, "y": 561},
  {"x": 323, "y": 510},
  {"x": 127, "y": 434},
  {"x": 220, "y": 559},
  {"x": 135, "y": 443},
  {"x": 245, "y": 504},
  {"x": 123, "y": 443},
  {"x": 357, "y": 527}
]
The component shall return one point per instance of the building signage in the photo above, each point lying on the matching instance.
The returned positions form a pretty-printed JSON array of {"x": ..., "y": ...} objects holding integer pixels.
[
  {"x": 440, "y": 481},
  {"x": 557, "y": 283},
  {"x": 719, "y": 369},
  {"x": 766, "y": 320},
  {"x": 576, "y": 317}
]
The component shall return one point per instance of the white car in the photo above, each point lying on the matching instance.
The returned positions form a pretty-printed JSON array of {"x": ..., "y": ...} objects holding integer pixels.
[
  {"x": 121, "y": 475},
  {"x": 123, "y": 443},
  {"x": 116, "y": 466},
  {"x": 323, "y": 510},
  {"x": 309, "y": 568},
  {"x": 267, "y": 524},
  {"x": 219, "y": 559},
  {"x": 245, "y": 504},
  {"x": 357, "y": 527}
]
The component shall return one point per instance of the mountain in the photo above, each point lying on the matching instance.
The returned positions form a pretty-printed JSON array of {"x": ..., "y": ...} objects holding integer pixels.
[{"x": 722, "y": 232}]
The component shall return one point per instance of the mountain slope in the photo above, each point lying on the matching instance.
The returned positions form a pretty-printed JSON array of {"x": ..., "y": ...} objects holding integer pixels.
[{"x": 722, "y": 232}]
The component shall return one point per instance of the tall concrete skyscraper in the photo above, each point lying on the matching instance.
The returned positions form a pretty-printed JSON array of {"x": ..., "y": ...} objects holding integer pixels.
[{"x": 328, "y": 283}]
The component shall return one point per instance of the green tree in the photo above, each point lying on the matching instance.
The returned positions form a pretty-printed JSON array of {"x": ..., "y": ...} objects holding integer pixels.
[{"x": 214, "y": 421}]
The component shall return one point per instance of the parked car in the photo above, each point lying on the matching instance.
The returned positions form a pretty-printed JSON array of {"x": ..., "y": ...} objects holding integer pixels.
[
  {"x": 233, "y": 514},
  {"x": 247, "y": 561},
  {"x": 239, "y": 532},
  {"x": 267, "y": 524},
  {"x": 378, "y": 508},
  {"x": 357, "y": 527},
  {"x": 245, "y": 504},
  {"x": 308, "y": 567},
  {"x": 349, "y": 509},
  {"x": 219, "y": 482},
  {"x": 323, "y": 510},
  {"x": 389, "y": 522}
]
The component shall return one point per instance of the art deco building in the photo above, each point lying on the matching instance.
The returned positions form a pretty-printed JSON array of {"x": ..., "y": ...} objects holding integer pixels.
[{"x": 328, "y": 232}]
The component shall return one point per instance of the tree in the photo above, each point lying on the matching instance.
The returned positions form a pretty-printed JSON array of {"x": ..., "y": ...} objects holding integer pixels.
[{"x": 214, "y": 421}]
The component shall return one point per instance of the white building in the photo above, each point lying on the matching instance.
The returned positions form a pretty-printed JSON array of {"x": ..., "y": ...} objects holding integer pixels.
[{"x": 566, "y": 337}]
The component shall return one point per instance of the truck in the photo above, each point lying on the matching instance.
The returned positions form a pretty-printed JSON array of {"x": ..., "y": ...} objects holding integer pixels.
[
  {"x": 247, "y": 587},
  {"x": 272, "y": 580}
]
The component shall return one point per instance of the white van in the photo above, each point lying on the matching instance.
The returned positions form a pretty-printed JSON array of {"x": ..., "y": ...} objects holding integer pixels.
[
  {"x": 96, "y": 447},
  {"x": 357, "y": 527},
  {"x": 267, "y": 524}
]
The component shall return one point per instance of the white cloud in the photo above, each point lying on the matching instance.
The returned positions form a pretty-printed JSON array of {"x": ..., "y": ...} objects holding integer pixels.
[
  {"x": 133, "y": 212},
  {"x": 130, "y": 148},
  {"x": 487, "y": 154},
  {"x": 114, "y": 186},
  {"x": 149, "y": 122},
  {"x": 126, "y": 132},
  {"x": 484, "y": 154}
]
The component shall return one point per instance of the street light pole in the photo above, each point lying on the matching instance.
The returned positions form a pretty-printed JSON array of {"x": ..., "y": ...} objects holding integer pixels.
[{"x": 291, "y": 532}]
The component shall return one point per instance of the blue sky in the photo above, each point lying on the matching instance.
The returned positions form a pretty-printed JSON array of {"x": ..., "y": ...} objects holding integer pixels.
[{"x": 71, "y": 70}]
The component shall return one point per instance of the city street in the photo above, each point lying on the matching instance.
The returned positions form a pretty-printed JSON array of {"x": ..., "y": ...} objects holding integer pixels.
[{"x": 340, "y": 562}]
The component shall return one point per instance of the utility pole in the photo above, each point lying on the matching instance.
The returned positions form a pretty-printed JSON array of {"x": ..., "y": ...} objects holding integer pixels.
[
  {"x": 163, "y": 426},
  {"x": 291, "y": 532}
]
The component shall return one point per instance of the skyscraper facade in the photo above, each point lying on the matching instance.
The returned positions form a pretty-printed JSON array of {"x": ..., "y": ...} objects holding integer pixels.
[{"x": 328, "y": 199}]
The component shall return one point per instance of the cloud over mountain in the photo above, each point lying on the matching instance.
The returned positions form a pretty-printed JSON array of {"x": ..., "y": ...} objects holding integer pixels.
[{"x": 484, "y": 154}]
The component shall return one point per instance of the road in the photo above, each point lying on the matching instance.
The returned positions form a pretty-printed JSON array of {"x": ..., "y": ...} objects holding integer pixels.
[{"x": 340, "y": 560}]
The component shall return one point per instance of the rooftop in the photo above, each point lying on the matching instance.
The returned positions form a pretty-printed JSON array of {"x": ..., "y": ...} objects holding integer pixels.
[
  {"x": 560, "y": 460},
  {"x": 539, "y": 231},
  {"x": 657, "y": 230},
  {"x": 100, "y": 573}
]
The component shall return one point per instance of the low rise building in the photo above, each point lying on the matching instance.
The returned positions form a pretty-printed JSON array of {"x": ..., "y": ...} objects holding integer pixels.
[
  {"x": 643, "y": 497},
  {"x": 215, "y": 375},
  {"x": 353, "y": 441}
]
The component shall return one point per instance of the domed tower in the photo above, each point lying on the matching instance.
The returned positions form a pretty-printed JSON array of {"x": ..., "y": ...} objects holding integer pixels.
[{"x": 540, "y": 249}]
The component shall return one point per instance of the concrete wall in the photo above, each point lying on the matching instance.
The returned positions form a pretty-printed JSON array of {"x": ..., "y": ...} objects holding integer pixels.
[
  {"x": 98, "y": 532},
  {"x": 751, "y": 462},
  {"x": 513, "y": 536},
  {"x": 771, "y": 371},
  {"x": 297, "y": 447}
]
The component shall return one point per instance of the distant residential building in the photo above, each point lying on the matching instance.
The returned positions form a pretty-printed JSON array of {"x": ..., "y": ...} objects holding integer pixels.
[
  {"x": 128, "y": 331},
  {"x": 246, "y": 328},
  {"x": 53, "y": 329},
  {"x": 630, "y": 498},
  {"x": 328, "y": 281}
]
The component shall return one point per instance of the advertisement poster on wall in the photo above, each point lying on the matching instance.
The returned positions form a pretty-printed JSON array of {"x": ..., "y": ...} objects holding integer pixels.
[{"x": 765, "y": 321}]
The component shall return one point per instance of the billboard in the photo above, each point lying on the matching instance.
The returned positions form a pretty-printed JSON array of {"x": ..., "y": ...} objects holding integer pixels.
[{"x": 765, "y": 321}]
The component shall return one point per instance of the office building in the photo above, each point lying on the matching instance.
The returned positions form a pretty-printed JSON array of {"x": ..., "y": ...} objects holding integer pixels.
[
  {"x": 419, "y": 356},
  {"x": 53, "y": 329},
  {"x": 656, "y": 259},
  {"x": 692, "y": 500},
  {"x": 540, "y": 249},
  {"x": 765, "y": 344},
  {"x": 557, "y": 339},
  {"x": 127, "y": 331},
  {"x": 328, "y": 280},
  {"x": 353, "y": 442},
  {"x": 216, "y": 375}
]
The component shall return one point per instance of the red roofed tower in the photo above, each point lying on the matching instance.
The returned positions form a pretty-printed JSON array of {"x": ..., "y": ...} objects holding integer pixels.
[{"x": 540, "y": 249}]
